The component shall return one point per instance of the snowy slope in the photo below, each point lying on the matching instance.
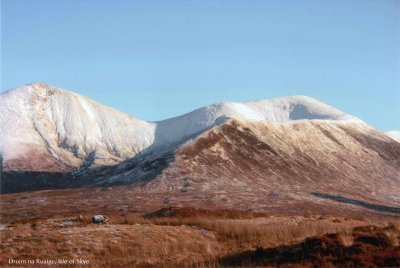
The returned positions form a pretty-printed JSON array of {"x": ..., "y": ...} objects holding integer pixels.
[
  {"x": 281, "y": 109},
  {"x": 59, "y": 128},
  {"x": 394, "y": 134},
  {"x": 298, "y": 108}
]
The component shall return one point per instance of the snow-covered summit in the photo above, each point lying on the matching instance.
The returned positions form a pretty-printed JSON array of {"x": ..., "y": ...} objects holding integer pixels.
[
  {"x": 74, "y": 130},
  {"x": 70, "y": 128},
  {"x": 281, "y": 109},
  {"x": 298, "y": 108}
]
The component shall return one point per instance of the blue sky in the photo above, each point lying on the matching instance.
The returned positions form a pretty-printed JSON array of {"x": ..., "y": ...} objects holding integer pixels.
[{"x": 158, "y": 59}]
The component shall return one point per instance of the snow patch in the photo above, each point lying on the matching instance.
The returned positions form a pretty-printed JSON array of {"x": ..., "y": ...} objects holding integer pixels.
[{"x": 394, "y": 134}]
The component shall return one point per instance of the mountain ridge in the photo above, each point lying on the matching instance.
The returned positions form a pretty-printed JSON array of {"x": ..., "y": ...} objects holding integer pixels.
[{"x": 66, "y": 130}]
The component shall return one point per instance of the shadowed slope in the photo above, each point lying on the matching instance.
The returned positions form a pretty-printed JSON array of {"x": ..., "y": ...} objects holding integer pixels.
[{"x": 264, "y": 167}]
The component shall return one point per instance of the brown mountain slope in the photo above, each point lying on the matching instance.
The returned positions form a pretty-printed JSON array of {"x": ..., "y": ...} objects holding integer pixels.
[{"x": 266, "y": 166}]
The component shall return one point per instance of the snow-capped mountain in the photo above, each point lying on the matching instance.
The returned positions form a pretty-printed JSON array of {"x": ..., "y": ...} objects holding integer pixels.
[
  {"x": 394, "y": 134},
  {"x": 53, "y": 138},
  {"x": 46, "y": 128}
]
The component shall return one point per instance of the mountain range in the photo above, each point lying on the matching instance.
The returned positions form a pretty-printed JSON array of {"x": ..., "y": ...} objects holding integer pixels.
[
  {"x": 64, "y": 130},
  {"x": 291, "y": 150}
]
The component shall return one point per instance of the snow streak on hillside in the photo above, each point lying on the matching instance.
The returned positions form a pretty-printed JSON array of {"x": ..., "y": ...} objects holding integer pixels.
[{"x": 394, "y": 134}]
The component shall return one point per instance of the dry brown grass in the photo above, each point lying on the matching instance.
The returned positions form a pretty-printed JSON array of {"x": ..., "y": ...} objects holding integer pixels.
[
  {"x": 370, "y": 247},
  {"x": 111, "y": 245},
  {"x": 190, "y": 241},
  {"x": 263, "y": 232}
]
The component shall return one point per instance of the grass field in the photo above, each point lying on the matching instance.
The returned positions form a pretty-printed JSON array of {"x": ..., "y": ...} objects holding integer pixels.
[{"x": 189, "y": 237}]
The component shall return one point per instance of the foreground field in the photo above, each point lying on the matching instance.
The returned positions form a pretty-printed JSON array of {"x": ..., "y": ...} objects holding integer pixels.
[{"x": 189, "y": 237}]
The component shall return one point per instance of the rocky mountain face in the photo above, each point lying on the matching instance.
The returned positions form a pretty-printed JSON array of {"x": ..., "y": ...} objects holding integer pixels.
[{"x": 290, "y": 151}]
